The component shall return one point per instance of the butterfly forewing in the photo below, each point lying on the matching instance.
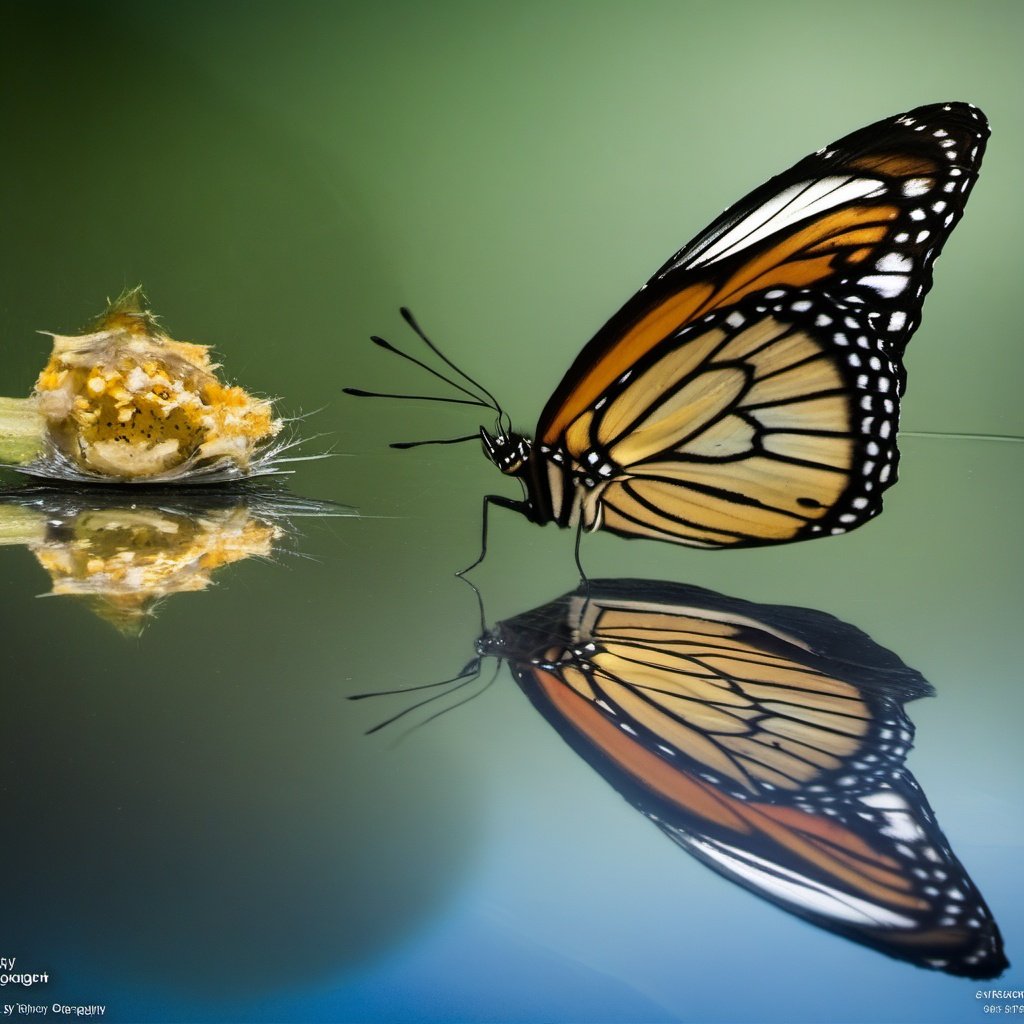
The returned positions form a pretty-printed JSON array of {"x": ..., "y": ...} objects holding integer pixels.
[{"x": 749, "y": 393}]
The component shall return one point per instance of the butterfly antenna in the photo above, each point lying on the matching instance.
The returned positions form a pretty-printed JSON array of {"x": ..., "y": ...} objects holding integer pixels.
[
  {"x": 441, "y": 440},
  {"x": 460, "y": 681},
  {"x": 395, "y": 350},
  {"x": 470, "y": 668},
  {"x": 411, "y": 321},
  {"x": 457, "y": 704},
  {"x": 360, "y": 393}
]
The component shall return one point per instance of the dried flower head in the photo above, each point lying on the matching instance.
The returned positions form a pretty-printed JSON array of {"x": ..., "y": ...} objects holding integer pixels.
[
  {"x": 125, "y": 402},
  {"x": 128, "y": 402}
]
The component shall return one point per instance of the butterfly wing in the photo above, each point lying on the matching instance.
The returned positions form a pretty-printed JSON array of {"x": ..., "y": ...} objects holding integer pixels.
[
  {"x": 748, "y": 394},
  {"x": 765, "y": 758}
]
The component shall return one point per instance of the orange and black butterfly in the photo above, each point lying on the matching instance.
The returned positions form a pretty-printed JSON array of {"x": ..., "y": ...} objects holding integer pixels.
[
  {"x": 749, "y": 392},
  {"x": 767, "y": 741}
]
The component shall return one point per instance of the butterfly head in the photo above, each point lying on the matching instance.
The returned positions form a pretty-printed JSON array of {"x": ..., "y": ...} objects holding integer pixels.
[
  {"x": 538, "y": 637},
  {"x": 509, "y": 452}
]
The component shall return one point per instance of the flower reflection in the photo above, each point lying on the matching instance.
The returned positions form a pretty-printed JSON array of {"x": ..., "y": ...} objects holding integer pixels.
[
  {"x": 767, "y": 741},
  {"x": 123, "y": 554}
]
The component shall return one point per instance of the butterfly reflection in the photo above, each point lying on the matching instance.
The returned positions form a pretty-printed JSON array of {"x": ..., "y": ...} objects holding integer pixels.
[
  {"x": 123, "y": 553},
  {"x": 767, "y": 741}
]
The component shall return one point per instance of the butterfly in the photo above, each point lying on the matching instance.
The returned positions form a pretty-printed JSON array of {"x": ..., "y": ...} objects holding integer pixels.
[
  {"x": 767, "y": 741},
  {"x": 749, "y": 393}
]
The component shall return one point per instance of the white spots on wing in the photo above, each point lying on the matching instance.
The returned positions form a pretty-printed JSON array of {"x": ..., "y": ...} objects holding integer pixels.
[
  {"x": 799, "y": 202},
  {"x": 887, "y": 285},
  {"x": 939, "y": 206},
  {"x": 802, "y": 305},
  {"x": 821, "y": 320},
  {"x": 921, "y": 236},
  {"x": 917, "y": 186},
  {"x": 736, "y": 319},
  {"x": 901, "y": 238},
  {"x": 917, "y": 214},
  {"x": 895, "y": 263},
  {"x": 799, "y": 891}
]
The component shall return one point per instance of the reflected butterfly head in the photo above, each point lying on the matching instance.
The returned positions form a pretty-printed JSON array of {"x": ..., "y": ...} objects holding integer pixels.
[{"x": 749, "y": 393}]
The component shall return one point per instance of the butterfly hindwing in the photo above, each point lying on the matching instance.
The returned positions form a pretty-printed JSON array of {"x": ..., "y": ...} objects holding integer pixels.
[
  {"x": 782, "y": 426},
  {"x": 749, "y": 393}
]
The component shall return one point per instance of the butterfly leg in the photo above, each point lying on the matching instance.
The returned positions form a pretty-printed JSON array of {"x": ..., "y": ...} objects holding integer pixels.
[
  {"x": 579, "y": 565},
  {"x": 502, "y": 502}
]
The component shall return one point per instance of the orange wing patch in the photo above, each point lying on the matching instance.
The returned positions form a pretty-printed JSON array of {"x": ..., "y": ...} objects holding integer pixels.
[
  {"x": 827, "y": 845},
  {"x": 896, "y": 165},
  {"x": 798, "y": 260}
]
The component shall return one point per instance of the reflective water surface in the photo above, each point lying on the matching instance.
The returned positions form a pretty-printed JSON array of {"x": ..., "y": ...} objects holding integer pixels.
[{"x": 197, "y": 825}]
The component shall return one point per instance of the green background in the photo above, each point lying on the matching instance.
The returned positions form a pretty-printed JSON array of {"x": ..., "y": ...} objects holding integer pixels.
[{"x": 196, "y": 828}]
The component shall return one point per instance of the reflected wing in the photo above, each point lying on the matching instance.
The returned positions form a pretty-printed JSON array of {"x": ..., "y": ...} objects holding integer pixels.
[
  {"x": 748, "y": 393},
  {"x": 772, "y": 765}
]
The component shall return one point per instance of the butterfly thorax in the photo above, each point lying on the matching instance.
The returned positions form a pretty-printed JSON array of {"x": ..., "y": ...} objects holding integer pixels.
[{"x": 555, "y": 488}]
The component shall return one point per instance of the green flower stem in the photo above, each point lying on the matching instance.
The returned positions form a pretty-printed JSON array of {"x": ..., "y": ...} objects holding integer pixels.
[
  {"x": 21, "y": 525},
  {"x": 21, "y": 430}
]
